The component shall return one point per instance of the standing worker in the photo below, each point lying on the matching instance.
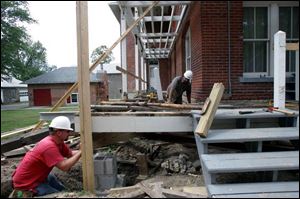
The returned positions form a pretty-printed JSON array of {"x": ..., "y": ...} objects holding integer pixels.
[
  {"x": 179, "y": 85},
  {"x": 32, "y": 177}
]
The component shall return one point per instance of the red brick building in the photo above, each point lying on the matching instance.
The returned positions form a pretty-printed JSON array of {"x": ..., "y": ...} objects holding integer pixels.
[{"x": 220, "y": 41}]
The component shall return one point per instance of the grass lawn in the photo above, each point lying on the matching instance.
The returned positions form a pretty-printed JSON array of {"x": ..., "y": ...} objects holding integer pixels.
[{"x": 14, "y": 119}]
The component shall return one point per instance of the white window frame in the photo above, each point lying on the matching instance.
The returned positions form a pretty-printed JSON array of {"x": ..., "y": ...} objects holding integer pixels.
[
  {"x": 71, "y": 98},
  {"x": 188, "y": 59},
  {"x": 273, "y": 27},
  {"x": 23, "y": 93},
  {"x": 260, "y": 74}
]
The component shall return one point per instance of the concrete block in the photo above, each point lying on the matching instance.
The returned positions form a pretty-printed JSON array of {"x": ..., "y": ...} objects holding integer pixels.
[{"x": 105, "y": 166}]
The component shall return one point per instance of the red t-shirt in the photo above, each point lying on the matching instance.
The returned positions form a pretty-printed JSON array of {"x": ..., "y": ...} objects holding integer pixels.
[{"x": 38, "y": 163}]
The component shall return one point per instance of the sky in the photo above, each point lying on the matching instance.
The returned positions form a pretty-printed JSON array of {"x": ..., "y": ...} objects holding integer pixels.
[{"x": 56, "y": 29}]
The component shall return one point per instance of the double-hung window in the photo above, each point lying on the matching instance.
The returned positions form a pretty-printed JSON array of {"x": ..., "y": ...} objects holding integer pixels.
[
  {"x": 261, "y": 20},
  {"x": 289, "y": 23},
  {"x": 256, "y": 41},
  {"x": 188, "y": 50}
]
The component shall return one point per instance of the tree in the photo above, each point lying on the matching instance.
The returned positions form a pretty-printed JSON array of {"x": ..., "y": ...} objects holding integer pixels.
[
  {"x": 20, "y": 57},
  {"x": 99, "y": 51},
  {"x": 32, "y": 62}
]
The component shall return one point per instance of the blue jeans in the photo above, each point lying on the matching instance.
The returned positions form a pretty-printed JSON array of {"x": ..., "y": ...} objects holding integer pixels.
[{"x": 52, "y": 185}]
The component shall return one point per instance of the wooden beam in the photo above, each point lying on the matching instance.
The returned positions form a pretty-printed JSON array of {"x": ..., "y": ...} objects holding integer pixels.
[
  {"x": 152, "y": 191},
  {"x": 17, "y": 131},
  {"x": 292, "y": 46},
  {"x": 26, "y": 139},
  {"x": 97, "y": 62},
  {"x": 84, "y": 96},
  {"x": 175, "y": 106},
  {"x": 129, "y": 73},
  {"x": 207, "y": 118}
]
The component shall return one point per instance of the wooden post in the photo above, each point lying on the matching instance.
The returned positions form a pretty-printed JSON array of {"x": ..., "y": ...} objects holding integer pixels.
[
  {"x": 207, "y": 118},
  {"x": 84, "y": 97}
]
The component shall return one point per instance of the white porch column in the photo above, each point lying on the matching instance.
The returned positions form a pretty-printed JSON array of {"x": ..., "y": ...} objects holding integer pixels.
[
  {"x": 297, "y": 75},
  {"x": 279, "y": 69},
  {"x": 136, "y": 58},
  {"x": 157, "y": 83},
  {"x": 142, "y": 72},
  {"x": 123, "y": 54}
]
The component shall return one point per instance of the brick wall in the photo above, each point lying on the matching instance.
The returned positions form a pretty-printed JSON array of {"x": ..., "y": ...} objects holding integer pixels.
[
  {"x": 209, "y": 46},
  {"x": 164, "y": 73},
  {"x": 130, "y": 42}
]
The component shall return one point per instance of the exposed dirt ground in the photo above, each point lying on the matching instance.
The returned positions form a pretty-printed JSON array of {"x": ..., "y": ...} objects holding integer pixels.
[
  {"x": 165, "y": 159},
  {"x": 173, "y": 161},
  {"x": 173, "y": 164}
]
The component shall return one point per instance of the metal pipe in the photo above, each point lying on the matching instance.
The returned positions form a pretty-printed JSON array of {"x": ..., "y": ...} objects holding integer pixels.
[{"x": 229, "y": 49}]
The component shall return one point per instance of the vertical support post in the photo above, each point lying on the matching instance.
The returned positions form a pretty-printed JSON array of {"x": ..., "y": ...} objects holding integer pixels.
[
  {"x": 84, "y": 96},
  {"x": 157, "y": 83},
  {"x": 142, "y": 72},
  {"x": 279, "y": 69},
  {"x": 136, "y": 59},
  {"x": 123, "y": 53},
  {"x": 297, "y": 75}
]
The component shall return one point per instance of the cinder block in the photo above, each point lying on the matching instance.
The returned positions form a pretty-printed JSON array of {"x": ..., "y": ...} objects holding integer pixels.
[{"x": 105, "y": 166}]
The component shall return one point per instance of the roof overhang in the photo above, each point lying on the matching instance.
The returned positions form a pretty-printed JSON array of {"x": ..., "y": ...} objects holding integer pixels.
[{"x": 156, "y": 33}]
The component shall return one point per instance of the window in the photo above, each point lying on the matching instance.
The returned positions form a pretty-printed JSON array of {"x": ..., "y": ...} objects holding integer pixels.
[
  {"x": 256, "y": 41},
  {"x": 261, "y": 20},
  {"x": 289, "y": 23},
  {"x": 74, "y": 98},
  {"x": 23, "y": 93},
  {"x": 188, "y": 50}
]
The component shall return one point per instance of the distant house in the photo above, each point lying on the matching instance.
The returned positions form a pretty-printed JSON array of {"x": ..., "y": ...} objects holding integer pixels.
[
  {"x": 47, "y": 89},
  {"x": 13, "y": 91}
]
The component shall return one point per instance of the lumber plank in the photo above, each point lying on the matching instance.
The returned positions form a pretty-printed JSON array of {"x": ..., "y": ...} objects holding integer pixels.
[
  {"x": 84, "y": 96},
  {"x": 17, "y": 131},
  {"x": 207, "y": 118},
  {"x": 292, "y": 46},
  {"x": 153, "y": 192},
  {"x": 129, "y": 73},
  {"x": 166, "y": 105},
  {"x": 26, "y": 139}
]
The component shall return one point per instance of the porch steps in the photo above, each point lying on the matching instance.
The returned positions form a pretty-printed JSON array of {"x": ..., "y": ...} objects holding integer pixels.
[{"x": 242, "y": 163}]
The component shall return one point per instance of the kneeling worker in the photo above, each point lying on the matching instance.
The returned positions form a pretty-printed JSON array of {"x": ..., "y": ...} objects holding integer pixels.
[
  {"x": 179, "y": 85},
  {"x": 32, "y": 176}
]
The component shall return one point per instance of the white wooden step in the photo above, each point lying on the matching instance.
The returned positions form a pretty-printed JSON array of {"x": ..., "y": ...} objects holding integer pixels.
[
  {"x": 251, "y": 134},
  {"x": 247, "y": 162},
  {"x": 255, "y": 190}
]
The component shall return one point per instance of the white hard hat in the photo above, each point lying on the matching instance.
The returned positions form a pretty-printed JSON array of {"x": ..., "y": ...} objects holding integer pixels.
[
  {"x": 61, "y": 122},
  {"x": 188, "y": 74}
]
